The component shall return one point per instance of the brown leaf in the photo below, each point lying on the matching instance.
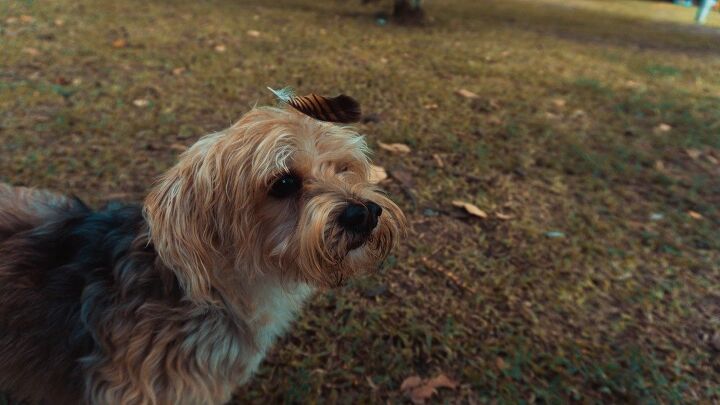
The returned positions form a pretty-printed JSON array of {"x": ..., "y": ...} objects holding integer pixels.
[
  {"x": 141, "y": 102},
  {"x": 178, "y": 147},
  {"x": 466, "y": 94},
  {"x": 431, "y": 106},
  {"x": 500, "y": 363},
  {"x": 695, "y": 215},
  {"x": 442, "y": 381},
  {"x": 438, "y": 160},
  {"x": 662, "y": 128},
  {"x": 178, "y": 71},
  {"x": 59, "y": 22},
  {"x": 693, "y": 153},
  {"x": 399, "y": 148},
  {"x": 253, "y": 33},
  {"x": 410, "y": 383},
  {"x": 220, "y": 48},
  {"x": 119, "y": 43},
  {"x": 502, "y": 216},
  {"x": 27, "y": 18},
  {"x": 377, "y": 174},
  {"x": 31, "y": 51},
  {"x": 421, "y": 394},
  {"x": 559, "y": 102},
  {"x": 470, "y": 208},
  {"x": 494, "y": 121}
]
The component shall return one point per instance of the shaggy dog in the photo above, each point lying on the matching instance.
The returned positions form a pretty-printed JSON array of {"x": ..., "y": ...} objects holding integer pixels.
[{"x": 178, "y": 300}]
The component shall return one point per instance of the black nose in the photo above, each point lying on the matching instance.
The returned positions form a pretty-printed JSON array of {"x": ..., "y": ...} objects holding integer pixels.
[{"x": 360, "y": 218}]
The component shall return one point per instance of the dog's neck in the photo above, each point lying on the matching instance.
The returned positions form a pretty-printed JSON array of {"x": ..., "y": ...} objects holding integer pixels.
[{"x": 274, "y": 307}]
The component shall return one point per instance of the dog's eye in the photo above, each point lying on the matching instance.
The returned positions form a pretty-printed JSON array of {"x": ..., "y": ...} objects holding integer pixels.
[{"x": 285, "y": 186}]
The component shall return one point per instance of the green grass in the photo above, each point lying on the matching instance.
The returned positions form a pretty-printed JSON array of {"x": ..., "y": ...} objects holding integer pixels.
[{"x": 601, "y": 288}]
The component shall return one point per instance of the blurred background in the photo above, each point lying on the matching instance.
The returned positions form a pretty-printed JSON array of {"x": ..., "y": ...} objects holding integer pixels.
[{"x": 559, "y": 162}]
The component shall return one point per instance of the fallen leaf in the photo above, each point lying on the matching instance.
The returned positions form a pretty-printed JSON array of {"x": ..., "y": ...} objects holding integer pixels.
[
  {"x": 421, "y": 394},
  {"x": 693, "y": 153},
  {"x": 27, "y": 18},
  {"x": 502, "y": 216},
  {"x": 178, "y": 147},
  {"x": 470, "y": 208},
  {"x": 31, "y": 51},
  {"x": 141, "y": 102},
  {"x": 500, "y": 363},
  {"x": 377, "y": 174},
  {"x": 11, "y": 20},
  {"x": 383, "y": 60},
  {"x": 695, "y": 215},
  {"x": 578, "y": 114},
  {"x": 220, "y": 48},
  {"x": 394, "y": 147},
  {"x": 494, "y": 121},
  {"x": 559, "y": 102},
  {"x": 61, "y": 80},
  {"x": 58, "y": 22},
  {"x": 178, "y": 71},
  {"x": 253, "y": 33},
  {"x": 431, "y": 106},
  {"x": 438, "y": 160},
  {"x": 410, "y": 383},
  {"x": 551, "y": 116},
  {"x": 662, "y": 128},
  {"x": 442, "y": 381},
  {"x": 659, "y": 165},
  {"x": 466, "y": 94},
  {"x": 119, "y": 43}
]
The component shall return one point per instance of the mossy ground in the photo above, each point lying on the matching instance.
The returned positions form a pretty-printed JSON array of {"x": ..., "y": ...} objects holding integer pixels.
[{"x": 601, "y": 287}]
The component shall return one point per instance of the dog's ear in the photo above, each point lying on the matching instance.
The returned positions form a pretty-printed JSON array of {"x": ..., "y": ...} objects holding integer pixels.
[{"x": 179, "y": 211}]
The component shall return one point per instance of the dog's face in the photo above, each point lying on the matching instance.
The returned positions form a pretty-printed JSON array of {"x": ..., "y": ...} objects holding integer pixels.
[{"x": 277, "y": 192}]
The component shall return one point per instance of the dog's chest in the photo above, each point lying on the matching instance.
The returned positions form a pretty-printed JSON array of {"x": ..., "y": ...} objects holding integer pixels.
[{"x": 275, "y": 309}]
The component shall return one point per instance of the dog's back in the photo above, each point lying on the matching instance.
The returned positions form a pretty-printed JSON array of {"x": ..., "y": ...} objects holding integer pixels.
[{"x": 24, "y": 208}]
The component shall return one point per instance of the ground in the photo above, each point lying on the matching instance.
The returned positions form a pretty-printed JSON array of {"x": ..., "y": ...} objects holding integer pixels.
[{"x": 593, "y": 147}]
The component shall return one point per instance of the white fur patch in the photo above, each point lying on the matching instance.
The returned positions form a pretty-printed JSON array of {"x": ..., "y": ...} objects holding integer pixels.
[{"x": 276, "y": 308}]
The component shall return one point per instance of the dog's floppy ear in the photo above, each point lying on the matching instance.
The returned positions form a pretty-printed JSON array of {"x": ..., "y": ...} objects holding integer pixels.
[
  {"x": 179, "y": 212},
  {"x": 342, "y": 109}
]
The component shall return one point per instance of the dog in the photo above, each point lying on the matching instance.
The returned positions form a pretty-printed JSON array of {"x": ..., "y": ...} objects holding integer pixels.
[{"x": 177, "y": 300}]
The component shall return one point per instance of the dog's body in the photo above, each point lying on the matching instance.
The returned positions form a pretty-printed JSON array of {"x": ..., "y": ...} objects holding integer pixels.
[{"x": 177, "y": 301}]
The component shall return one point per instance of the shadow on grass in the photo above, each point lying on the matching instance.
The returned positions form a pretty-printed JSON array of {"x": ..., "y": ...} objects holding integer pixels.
[{"x": 562, "y": 21}]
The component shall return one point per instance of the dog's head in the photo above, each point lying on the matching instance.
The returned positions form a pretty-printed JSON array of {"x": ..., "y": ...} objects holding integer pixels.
[{"x": 276, "y": 192}]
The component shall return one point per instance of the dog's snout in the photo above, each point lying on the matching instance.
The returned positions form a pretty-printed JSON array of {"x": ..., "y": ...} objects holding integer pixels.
[
  {"x": 374, "y": 209},
  {"x": 361, "y": 218}
]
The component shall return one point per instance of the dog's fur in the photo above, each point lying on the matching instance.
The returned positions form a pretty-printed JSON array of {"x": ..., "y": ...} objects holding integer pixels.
[{"x": 177, "y": 301}]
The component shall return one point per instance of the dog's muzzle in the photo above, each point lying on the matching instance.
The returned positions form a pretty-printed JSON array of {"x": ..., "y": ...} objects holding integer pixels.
[{"x": 359, "y": 220}]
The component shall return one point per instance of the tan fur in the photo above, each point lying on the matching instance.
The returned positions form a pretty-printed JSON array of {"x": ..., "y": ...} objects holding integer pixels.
[{"x": 232, "y": 246}]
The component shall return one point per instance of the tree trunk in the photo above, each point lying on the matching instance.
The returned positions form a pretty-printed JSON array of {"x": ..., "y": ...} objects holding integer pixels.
[{"x": 408, "y": 11}]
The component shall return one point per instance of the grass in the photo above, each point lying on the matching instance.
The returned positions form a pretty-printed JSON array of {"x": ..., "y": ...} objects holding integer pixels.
[{"x": 602, "y": 287}]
